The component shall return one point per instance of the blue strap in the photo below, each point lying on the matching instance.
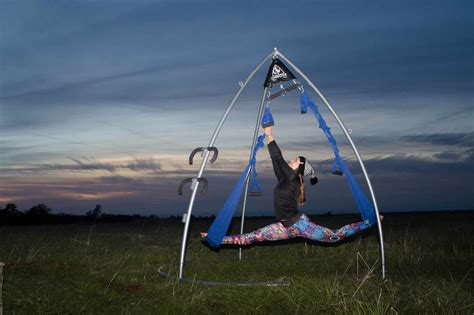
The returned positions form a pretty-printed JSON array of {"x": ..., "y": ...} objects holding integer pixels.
[
  {"x": 335, "y": 166},
  {"x": 255, "y": 186},
  {"x": 219, "y": 227},
  {"x": 365, "y": 207}
]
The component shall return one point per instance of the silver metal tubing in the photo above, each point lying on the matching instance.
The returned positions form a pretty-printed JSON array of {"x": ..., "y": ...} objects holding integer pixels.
[
  {"x": 341, "y": 124},
  {"x": 205, "y": 158},
  {"x": 255, "y": 135}
]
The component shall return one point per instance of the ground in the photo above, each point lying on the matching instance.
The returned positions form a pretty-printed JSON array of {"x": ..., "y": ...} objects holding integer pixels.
[{"x": 113, "y": 268}]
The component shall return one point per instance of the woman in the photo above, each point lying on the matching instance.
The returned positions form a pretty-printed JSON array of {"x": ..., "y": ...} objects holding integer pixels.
[{"x": 289, "y": 193}]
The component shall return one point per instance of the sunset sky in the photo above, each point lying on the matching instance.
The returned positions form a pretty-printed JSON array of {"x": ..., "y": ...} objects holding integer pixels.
[{"x": 101, "y": 102}]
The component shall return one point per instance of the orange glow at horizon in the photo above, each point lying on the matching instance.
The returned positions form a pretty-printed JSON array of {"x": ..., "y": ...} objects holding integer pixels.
[{"x": 98, "y": 195}]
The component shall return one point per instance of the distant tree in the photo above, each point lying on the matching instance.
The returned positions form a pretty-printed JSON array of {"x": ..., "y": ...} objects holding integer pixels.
[
  {"x": 96, "y": 213},
  {"x": 39, "y": 210},
  {"x": 10, "y": 209}
]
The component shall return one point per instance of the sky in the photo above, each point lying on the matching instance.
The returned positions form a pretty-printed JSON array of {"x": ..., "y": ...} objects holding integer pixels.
[{"x": 101, "y": 102}]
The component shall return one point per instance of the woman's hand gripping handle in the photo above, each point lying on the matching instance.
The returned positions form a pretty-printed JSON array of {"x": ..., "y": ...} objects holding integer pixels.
[{"x": 268, "y": 133}]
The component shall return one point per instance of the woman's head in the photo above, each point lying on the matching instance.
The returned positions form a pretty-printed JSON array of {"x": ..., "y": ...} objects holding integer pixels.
[
  {"x": 295, "y": 163},
  {"x": 303, "y": 167}
]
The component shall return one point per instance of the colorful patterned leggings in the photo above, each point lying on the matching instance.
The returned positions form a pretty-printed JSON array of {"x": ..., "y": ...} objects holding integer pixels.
[{"x": 303, "y": 228}]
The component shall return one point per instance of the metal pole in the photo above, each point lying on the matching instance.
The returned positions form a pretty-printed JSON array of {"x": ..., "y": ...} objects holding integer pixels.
[
  {"x": 255, "y": 135},
  {"x": 195, "y": 183},
  {"x": 341, "y": 124},
  {"x": 1, "y": 286}
]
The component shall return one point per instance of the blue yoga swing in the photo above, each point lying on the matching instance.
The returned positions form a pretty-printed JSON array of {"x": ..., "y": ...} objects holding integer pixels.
[
  {"x": 278, "y": 74},
  {"x": 220, "y": 225}
]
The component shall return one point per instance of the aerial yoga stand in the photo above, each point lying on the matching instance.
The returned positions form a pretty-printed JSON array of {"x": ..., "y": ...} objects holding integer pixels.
[{"x": 277, "y": 73}]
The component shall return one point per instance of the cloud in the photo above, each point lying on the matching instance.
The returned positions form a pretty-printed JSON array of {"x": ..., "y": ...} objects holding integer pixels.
[
  {"x": 94, "y": 195},
  {"x": 85, "y": 166},
  {"x": 142, "y": 164},
  {"x": 448, "y": 155},
  {"x": 457, "y": 113},
  {"x": 462, "y": 164},
  {"x": 117, "y": 179},
  {"x": 90, "y": 165},
  {"x": 401, "y": 182},
  {"x": 459, "y": 139}
]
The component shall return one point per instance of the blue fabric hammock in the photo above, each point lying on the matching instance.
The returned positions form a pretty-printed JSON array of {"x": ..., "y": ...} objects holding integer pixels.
[
  {"x": 219, "y": 227},
  {"x": 365, "y": 207}
]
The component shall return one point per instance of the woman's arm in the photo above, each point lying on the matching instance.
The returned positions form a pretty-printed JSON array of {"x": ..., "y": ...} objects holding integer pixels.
[
  {"x": 280, "y": 166},
  {"x": 276, "y": 168},
  {"x": 270, "y": 138}
]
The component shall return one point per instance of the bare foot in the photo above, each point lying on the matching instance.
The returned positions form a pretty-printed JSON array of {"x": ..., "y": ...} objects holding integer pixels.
[{"x": 203, "y": 234}]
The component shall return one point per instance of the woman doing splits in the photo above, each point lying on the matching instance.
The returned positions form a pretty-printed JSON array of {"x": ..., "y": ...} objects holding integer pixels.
[{"x": 289, "y": 193}]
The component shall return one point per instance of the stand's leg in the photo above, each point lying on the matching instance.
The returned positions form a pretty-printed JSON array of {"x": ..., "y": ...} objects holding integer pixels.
[
  {"x": 361, "y": 163},
  {"x": 255, "y": 135},
  {"x": 204, "y": 161},
  {"x": 1, "y": 287}
]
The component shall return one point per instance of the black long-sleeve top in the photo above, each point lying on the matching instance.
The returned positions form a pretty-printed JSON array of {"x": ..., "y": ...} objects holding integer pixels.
[{"x": 287, "y": 190}]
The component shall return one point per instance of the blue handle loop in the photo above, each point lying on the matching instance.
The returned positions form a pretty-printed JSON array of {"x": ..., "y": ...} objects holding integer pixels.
[{"x": 267, "y": 119}]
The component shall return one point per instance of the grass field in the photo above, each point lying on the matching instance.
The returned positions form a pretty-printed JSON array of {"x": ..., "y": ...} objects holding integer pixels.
[{"x": 112, "y": 268}]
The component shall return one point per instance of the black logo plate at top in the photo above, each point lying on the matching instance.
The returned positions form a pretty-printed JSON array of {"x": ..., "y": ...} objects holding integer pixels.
[{"x": 278, "y": 72}]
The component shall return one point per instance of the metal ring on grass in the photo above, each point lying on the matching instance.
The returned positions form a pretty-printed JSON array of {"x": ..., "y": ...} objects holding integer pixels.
[{"x": 225, "y": 283}]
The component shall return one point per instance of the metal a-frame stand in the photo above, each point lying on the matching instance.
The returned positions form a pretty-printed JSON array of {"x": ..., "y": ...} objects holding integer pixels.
[{"x": 275, "y": 54}]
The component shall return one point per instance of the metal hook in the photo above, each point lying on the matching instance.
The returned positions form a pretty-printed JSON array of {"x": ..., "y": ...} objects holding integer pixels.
[
  {"x": 191, "y": 180},
  {"x": 202, "y": 149}
]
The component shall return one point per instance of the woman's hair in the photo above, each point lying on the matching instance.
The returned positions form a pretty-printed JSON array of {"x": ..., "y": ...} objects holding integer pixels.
[{"x": 301, "y": 198}]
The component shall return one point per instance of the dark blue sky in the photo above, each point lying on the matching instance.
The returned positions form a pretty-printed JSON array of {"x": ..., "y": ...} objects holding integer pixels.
[{"x": 102, "y": 101}]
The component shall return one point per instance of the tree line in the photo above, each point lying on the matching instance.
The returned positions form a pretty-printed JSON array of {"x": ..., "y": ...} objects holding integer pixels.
[
  {"x": 41, "y": 209},
  {"x": 42, "y": 214}
]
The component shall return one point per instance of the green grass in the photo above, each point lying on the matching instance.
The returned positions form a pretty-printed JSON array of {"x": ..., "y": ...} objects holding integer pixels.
[{"x": 52, "y": 269}]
